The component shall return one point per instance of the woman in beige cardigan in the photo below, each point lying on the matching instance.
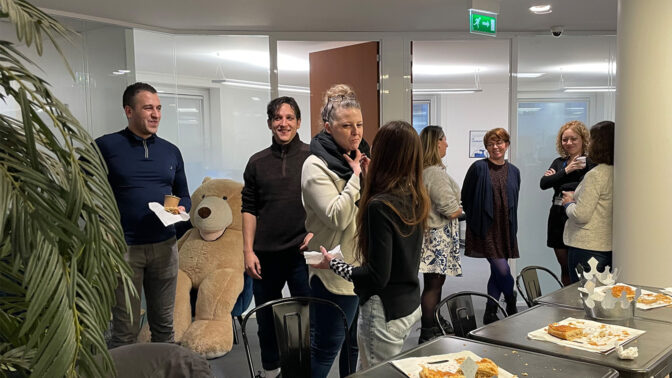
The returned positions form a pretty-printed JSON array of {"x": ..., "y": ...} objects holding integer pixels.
[
  {"x": 589, "y": 209},
  {"x": 330, "y": 187}
]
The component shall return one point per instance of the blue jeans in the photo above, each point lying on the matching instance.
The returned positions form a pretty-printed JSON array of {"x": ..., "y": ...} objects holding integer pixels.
[
  {"x": 277, "y": 268},
  {"x": 379, "y": 339},
  {"x": 581, "y": 256},
  {"x": 327, "y": 336}
]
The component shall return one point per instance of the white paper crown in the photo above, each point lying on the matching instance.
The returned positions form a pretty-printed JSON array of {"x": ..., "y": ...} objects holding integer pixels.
[
  {"x": 604, "y": 299},
  {"x": 605, "y": 278},
  {"x": 602, "y": 304}
]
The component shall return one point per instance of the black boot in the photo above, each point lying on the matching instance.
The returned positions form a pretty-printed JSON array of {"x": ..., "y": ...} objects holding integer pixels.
[
  {"x": 511, "y": 307},
  {"x": 445, "y": 324},
  {"x": 490, "y": 315},
  {"x": 429, "y": 333}
]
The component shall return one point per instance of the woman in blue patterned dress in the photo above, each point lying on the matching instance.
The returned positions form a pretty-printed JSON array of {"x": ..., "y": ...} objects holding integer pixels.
[{"x": 441, "y": 243}]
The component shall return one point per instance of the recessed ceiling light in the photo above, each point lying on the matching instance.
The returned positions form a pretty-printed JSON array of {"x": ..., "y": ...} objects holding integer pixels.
[{"x": 541, "y": 9}]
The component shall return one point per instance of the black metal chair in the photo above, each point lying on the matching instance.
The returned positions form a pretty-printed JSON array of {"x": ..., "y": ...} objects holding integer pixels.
[
  {"x": 292, "y": 331},
  {"x": 531, "y": 283},
  {"x": 460, "y": 308}
]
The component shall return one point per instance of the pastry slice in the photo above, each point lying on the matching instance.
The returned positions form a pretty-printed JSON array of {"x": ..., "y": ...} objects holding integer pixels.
[
  {"x": 435, "y": 373},
  {"x": 487, "y": 368},
  {"x": 618, "y": 289},
  {"x": 564, "y": 332},
  {"x": 172, "y": 210}
]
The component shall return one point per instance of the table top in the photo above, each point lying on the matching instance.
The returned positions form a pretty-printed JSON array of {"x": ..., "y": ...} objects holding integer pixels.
[
  {"x": 568, "y": 296},
  {"x": 655, "y": 345},
  {"x": 514, "y": 361}
]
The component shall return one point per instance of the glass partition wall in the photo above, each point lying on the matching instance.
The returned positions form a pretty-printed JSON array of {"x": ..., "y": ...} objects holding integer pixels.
[
  {"x": 215, "y": 88},
  {"x": 97, "y": 55},
  {"x": 558, "y": 80}
]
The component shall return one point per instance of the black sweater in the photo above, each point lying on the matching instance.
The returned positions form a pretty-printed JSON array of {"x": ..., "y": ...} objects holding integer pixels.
[
  {"x": 391, "y": 270},
  {"x": 562, "y": 181},
  {"x": 272, "y": 193}
]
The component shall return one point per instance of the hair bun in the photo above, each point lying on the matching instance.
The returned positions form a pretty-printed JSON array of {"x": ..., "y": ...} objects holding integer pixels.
[{"x": 339, "y": 90}]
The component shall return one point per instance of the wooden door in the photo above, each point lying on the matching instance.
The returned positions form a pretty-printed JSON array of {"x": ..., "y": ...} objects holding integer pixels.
[{"x": 356, "y": 66}]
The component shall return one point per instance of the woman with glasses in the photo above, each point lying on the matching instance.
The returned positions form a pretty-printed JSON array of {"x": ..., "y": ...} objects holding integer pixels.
[
  {"x": 441, "y": 243},
  {"x": 490, "y": 201},
  {"x": 330, "y": 187},
  {"x": 390, "y": 224},
  {"x": 564, "y": 174}
]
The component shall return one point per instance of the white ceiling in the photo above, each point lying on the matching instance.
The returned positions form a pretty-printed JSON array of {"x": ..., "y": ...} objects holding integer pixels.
[
  {"x": 341, "y": 15},
  {"x": 194, "y": 56}
]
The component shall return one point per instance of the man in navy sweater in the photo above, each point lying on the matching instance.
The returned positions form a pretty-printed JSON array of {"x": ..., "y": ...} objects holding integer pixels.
[{"x": 142, "y": 168}]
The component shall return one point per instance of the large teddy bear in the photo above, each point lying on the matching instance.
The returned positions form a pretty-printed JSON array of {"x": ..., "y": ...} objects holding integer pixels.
[{"x": 211, "y": 260}]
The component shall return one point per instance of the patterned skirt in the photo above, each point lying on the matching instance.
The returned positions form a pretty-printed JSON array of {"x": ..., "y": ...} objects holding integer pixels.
[{"x": 441, "y": 250}]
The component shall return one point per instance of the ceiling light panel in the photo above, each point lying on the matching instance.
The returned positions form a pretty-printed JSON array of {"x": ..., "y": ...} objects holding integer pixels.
[{"x": 541, "y": 9}]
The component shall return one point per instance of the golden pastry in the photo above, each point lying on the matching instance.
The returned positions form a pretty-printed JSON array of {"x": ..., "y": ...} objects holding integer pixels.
[{"x": 564, "y": 332}]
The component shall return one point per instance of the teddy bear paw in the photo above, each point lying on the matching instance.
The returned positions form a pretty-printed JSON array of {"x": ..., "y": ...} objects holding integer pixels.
[{"x": 209, "y": 338}]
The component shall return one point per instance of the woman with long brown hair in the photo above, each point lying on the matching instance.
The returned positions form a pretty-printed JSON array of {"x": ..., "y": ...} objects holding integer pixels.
[
  {"x": 589, "y": 209},
  {"x": 391, "y": 220},
  {"x": 441, "y": 244}
]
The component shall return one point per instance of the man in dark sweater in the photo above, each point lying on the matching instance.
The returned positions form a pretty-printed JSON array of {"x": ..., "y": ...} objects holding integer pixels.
[
  {"x": 274, "y": 233},
  {"x": 143, "y": 168}
]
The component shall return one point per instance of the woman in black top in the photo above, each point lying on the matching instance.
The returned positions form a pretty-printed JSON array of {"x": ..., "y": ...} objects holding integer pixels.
[
  {"x": 391, "y": 219},
  {"x": 564, "y": 174}
]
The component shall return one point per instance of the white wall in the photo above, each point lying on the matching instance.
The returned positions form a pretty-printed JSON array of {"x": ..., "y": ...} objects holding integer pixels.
[{"x": 461, "y": 113}]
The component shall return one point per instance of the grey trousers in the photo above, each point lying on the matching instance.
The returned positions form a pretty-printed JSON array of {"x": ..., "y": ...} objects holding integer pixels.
[{"x": 154, "y": 269}]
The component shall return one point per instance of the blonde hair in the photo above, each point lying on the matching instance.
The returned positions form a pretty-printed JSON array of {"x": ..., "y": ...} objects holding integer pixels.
[
  {"x": 430, "y": 136},
  {"x": 577, "y": 127},
  {"x": 339, "y": 96}
]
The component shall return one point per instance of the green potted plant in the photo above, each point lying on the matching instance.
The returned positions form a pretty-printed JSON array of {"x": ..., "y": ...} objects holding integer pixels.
[{"x": 61, "y": 246}]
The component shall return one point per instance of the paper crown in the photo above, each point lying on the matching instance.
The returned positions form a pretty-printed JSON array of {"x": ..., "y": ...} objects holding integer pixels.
[
  {"x": 605, "y": 278},
  {"x": 602, "y": 304}
]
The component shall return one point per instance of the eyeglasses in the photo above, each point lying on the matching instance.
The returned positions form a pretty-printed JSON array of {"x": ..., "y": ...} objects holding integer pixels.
[{"x": 499, "y": 143}]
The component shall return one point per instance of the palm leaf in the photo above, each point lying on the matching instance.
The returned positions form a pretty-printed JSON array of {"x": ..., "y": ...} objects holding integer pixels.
[{"x": 61, "y": 252}]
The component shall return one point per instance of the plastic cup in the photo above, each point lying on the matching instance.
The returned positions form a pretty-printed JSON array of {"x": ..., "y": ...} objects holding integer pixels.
[{"x": 582, "y": 161}]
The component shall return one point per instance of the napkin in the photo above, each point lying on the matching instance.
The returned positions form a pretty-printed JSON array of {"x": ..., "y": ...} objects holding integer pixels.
[
  {"x": 412, "y": 366},
  {"x": 591, "y": 329},
  {"x": 166, "y": 217},
  {"x": 313, "y": 257}
]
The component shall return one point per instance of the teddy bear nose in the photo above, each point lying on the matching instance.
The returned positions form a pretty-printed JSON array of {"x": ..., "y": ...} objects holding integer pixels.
[{"x": 204, "y": 212}]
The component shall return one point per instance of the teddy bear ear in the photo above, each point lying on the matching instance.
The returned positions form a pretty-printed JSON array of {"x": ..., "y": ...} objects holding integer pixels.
[{"x": 206, "y": 179}]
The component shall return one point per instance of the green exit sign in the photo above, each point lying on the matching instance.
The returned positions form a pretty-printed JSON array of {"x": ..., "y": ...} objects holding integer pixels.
[{"x": 482, "y": 22}]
